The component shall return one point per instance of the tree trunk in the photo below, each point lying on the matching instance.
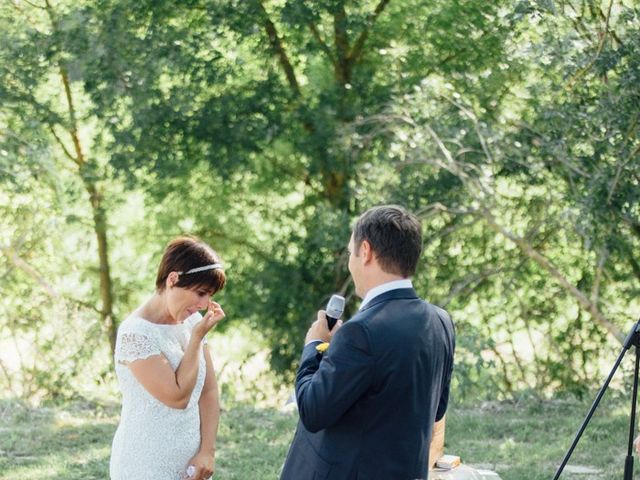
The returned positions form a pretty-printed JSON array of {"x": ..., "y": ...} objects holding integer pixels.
[
  {"x": 106, "y": 285},
  {"x": 86, "y": 171}
]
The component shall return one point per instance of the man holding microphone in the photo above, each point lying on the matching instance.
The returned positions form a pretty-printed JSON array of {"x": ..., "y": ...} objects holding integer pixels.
[{"x": 368, "y": 404}]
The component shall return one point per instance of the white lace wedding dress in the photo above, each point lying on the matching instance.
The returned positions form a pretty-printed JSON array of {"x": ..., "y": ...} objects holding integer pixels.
[{"x": 153, "y": 441}]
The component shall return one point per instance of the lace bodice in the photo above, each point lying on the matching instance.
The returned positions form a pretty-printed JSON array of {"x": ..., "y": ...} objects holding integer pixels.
[{"x": 154, "y": 441}]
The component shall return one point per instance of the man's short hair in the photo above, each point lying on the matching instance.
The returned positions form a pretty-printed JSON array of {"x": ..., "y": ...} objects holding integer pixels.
[{"x": 395, "y": 236}]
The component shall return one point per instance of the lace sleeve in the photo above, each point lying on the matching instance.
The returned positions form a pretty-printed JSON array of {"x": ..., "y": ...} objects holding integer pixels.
[{"x": 134, "y": 346}]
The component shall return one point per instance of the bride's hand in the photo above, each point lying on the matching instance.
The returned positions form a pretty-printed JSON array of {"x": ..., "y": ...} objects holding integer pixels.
[
  {"x": 211, "y": 318},
  {"x": 203, "y": 466}
]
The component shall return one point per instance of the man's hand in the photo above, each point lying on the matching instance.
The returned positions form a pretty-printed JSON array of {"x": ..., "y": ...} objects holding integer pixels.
[{"x": 319, "y": 329}]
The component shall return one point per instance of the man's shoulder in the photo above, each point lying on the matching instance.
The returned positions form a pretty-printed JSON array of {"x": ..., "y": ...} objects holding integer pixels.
[
  {"x": 443, "y": 315},
  {"x": 355, "y": 332},
  {"x": 380, "y": 320},
  {"x": 358, "y": 323},
  {"x": 408, "y": 302}
]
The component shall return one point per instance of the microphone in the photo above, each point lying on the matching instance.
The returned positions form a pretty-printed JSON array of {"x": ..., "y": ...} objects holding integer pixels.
[{"x": 334, "y": 310}]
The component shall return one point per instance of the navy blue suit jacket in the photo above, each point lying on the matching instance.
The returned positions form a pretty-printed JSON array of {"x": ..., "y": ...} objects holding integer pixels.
[{"x": 367, "y": 407}]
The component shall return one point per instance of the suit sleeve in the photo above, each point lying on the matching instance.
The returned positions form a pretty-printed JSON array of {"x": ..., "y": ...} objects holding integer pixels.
[
  {"x": 446, "y": 381},
  {"x": 327, "y": 387},
  {"x": 444, "y": 398}
]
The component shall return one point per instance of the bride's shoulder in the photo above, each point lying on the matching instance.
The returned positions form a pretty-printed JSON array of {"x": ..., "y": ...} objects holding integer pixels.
[{"x": 133, "y": 324}]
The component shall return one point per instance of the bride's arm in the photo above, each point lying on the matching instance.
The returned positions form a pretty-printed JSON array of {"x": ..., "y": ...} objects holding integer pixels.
[
  {"x": 158, "y": 378},
  {"x": 204, "y": 460}
]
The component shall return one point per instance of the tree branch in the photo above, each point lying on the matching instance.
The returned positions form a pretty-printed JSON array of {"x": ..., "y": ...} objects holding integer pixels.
[
  {"x": 603, "y": 38},
  {"x": 545, "y": 263},
  {"x": 32, "y": 5},
  {"x": 79, "y": 158},
  {"x": 18, "y": 262},
  {"x": 211, "y": 233},
  {"x": 21, "y": 264},
  {"x": 342, "y": 65},
  {"x": 503, "y": 362},
  {"x": 95, "y": 198},
  {"x": 578, "y": 23},
  {"x": 633, "y": 224},
  {"x": 62, "y": 145},
  {"x": 480, "y": 192},
  {"x": 8, "y": 377},
  {"x": 595, "y": 290},
  {"x": 635, "y": 266},
  {"x": 278, "y": 47},
  {"x": 75, "y": 136},
  {"x": 514, "y": 353},
  {"x": 323, "y": 46},
  {"x": 469, "y": 283},
  {"x": 358, "y": 47},
  {"x": 621, "y": 165},
  {"x": 613, "y": 34}
]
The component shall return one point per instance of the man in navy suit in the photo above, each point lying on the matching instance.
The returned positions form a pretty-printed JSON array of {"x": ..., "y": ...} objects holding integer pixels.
[{"x": 368, "y": 404}]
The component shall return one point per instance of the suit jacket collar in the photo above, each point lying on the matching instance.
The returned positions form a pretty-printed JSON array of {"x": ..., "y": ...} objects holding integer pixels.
[{"x": 397, "y": 294}]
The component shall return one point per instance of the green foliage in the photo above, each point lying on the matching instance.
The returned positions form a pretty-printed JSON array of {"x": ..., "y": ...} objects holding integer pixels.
[{"x": 267, "y": 127}]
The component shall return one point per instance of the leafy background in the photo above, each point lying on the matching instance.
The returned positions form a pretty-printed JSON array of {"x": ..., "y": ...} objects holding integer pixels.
[{"x": 510, "y": 128}]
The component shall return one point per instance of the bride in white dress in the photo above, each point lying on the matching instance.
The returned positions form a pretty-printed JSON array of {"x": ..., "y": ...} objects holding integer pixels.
[{"x": 170, "y": 407}]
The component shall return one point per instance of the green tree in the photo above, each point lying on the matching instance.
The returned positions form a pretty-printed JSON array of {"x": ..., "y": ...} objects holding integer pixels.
[
  {"x": 264, "y": 97},
  {"x": 541, "y": 224},
  {"x": 45, "y": 122}
]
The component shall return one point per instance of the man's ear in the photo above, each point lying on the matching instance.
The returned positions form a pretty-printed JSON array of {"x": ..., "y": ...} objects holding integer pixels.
[
  {"x": 172, "y": 279},
  {"x": 366, "y": 253}
]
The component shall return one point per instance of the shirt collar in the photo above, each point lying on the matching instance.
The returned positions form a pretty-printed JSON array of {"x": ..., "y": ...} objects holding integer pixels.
[{"x": 385, "y": 287}]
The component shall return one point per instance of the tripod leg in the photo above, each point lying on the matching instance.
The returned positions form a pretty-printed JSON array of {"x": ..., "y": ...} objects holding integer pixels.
[
  {"x": 628, "y": 463},
  {"x": 590, "y": 414}
]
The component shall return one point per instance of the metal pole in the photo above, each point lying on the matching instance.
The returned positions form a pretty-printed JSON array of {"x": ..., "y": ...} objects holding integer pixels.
[
  {"x": 632, "y": 339},
  {"x": 628, "y": 463}
]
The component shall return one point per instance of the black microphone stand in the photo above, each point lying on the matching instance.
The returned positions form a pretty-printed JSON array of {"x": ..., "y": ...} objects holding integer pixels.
[{"x": 633, "y": 339}]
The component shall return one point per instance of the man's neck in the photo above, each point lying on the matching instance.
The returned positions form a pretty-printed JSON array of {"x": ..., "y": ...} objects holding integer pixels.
[
  {"x": 398, "y": 282},
  {"x": 381, "y": 279}
]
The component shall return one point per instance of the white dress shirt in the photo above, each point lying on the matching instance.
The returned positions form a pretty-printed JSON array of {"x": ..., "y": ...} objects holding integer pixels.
[{"x": 385, "y": 287}]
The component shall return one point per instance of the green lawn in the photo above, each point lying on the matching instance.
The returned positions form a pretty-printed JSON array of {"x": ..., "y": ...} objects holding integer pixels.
[{"x": 520, "y": 441}]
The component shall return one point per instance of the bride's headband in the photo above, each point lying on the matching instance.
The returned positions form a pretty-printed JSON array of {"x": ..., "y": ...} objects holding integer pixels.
[{"x": 213, "y": 266}]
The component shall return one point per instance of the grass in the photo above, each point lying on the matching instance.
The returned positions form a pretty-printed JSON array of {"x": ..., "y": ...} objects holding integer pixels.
[
  {"x": 525, "y": 441},
  {"x": 529, "y": 440}
]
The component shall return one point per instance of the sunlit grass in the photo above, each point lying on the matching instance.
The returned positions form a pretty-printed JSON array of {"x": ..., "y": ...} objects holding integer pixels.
[
  {"x": 55, "y": 443},
  {"x": 523, "y": 441},
  {"x": 74, "y": 441},
  {"x": 529, "y": 440}
]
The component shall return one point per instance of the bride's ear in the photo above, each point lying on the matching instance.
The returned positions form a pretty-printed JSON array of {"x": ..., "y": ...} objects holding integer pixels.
[{"x": 172, "y": 280}]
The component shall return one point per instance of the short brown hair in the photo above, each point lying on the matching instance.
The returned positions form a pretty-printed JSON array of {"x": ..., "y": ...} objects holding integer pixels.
[
  {"x": 184, "y": 253},
  {"x": 395, "y": 236}
]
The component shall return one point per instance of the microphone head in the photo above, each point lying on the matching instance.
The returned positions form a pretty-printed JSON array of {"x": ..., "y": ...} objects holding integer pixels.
[{"x": 335, "y": 307}]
